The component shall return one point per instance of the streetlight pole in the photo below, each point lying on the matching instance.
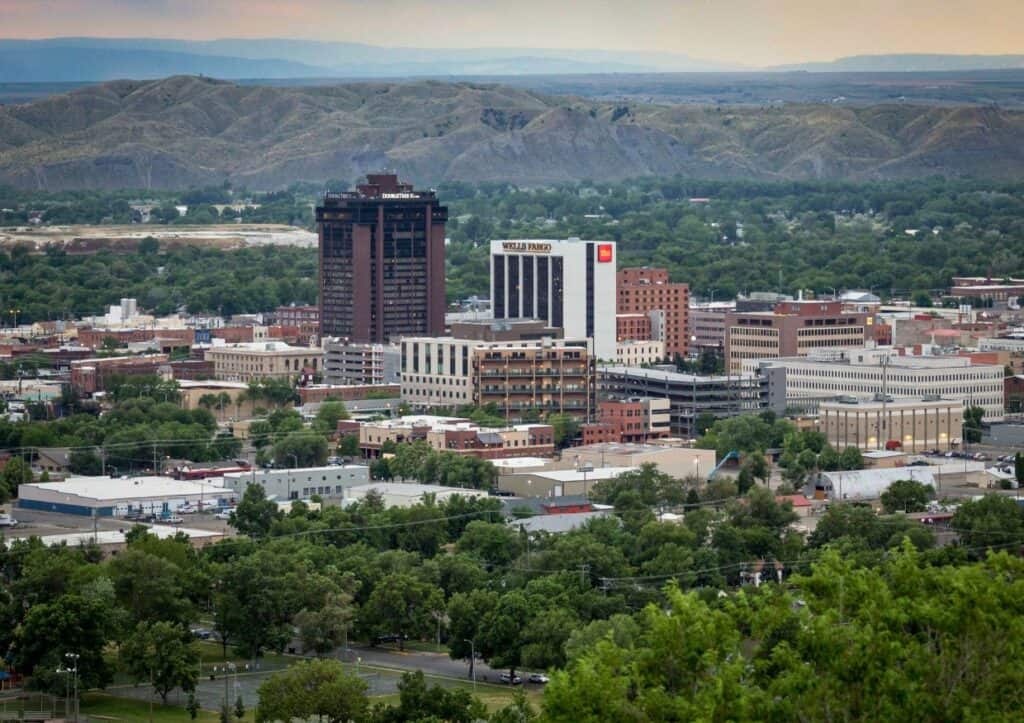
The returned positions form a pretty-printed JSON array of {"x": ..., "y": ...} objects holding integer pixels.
[
  {"x": 295, "y": 459},
  {"x": 472, "y": 661},
  {"x": 74, "y": 670}
]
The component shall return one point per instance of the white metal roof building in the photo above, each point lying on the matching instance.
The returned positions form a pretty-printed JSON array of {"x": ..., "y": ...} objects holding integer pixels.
[
  {"x": 404, "y": 494},
  {"x": 114, "y": 496},
  {"x": 869, "y": 484}
]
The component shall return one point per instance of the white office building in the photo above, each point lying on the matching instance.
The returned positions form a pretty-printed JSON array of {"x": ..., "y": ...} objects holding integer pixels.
[
  {"x": 861, "y": 373},
  {"x": 301, "y": 483},
  {"x": 569, "y": 284}
]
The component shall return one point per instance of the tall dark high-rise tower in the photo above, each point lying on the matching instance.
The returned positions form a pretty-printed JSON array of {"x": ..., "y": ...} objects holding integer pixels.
[{"x": 381, "y": 261}]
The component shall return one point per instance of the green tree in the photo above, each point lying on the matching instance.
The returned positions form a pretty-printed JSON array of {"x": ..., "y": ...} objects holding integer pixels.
[
  {"x": 164, "y": 654},
  {"x": 851, "y": 459},
  {"x": 972, "y": 424},
  {"x": 192, "y": 706},
  {"x": 313, "y": 688},
  {"x": 348, "y": 445},
  {"x": 301, "y": 449},
  {"x": 993, "y": 521},
  {"x": 85, "y": 462},
  {"x": 239, "y": 708},
  {"x": 327, "y": 417},
  {"x": 325, "y": 627},
  {"x": 466, "y": 614},
  {"x": 77, "y": 623},
  {"x": 401, "y": 605},
  {"x": 149, "y": 588},
  {"x": 906, "y": 496},
  {"x": 502, "y": 632},
  {"x": 15, "y": 473},
  {"x": 494, "y": 543},
  {"x": 255, "y": 514},
  {"x": 419, "y": 702},
  {"x": 565, "y": 429}
]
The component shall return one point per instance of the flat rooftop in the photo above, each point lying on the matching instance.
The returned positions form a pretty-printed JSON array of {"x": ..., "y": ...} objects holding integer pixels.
[
  {"x": 572, "y": 475},
  {"x": 412, "y": 489},
  {"x": 673, "y": 377},
  {"x": 117, "y": 537},
  {"x": 123, "y": 488},
  {"x": 518, "y": 463}
]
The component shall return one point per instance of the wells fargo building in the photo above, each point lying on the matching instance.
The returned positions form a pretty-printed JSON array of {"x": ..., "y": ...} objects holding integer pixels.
[{"x": 381, "y": 261}]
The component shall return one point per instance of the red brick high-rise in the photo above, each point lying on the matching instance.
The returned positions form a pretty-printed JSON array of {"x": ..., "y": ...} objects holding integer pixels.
[
  {"x": 381, "y": 261},
  {"x": 643, "y": 290}
]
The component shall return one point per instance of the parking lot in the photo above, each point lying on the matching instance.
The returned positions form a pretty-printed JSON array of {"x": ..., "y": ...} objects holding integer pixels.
[{"x": 41, "y": 523}]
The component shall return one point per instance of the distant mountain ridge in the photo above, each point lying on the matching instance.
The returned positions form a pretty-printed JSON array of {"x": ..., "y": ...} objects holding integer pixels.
[
  {"x": 909, "y": 63},
  {"x": 86, "y": 59},
  {"x": 98, "y": 59},
  {"x": 187, "y": 131}
]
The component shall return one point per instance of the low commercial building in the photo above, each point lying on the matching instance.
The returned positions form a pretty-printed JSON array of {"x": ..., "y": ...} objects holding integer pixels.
[
  {"x": 559, "y": 524},
  {"x": 636, "y": 419},
  {"x": 636, "y": 353},
  {"x": 557, "y": 482},
  {"x": 403, "y": 494},
  {"x": 349, "y": 363},
  {"x": 119, "y": 496},
  {"x": 911, "y": 425},
  {"x": 301, "y": 483},
  {"x": 454, "y": 434},
  {"x": 678, "y": 462},
  {"x": 863, "y": 373},
  {"x": 111, "y": 542},
  {"x": 263, "y": 360},
  {"x": 235, "y": 402},
  {"x": 691, "y": 395},
  {"x": 317, "y": 393},
  {"x": 89, "y": 376}
]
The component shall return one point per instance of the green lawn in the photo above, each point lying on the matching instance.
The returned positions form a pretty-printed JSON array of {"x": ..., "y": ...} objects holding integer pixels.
[
  {"x": 102, "y": 706},
  {"x": 211, "y": 653}
]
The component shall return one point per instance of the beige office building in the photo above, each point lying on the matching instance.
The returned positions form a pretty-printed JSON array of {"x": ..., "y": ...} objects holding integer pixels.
[
  {"x": 639, "y": 353},
  {"x": 910, "y": 425},
  {"x": 793, "y": 328},
  {"x": 262, "y": 360}
]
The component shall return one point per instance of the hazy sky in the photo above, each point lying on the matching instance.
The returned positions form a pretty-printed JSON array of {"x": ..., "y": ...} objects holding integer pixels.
[{"x": 752, "y": 32}]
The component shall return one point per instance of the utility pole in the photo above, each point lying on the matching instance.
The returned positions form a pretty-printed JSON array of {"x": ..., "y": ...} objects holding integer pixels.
[
  {"x": 584, "y": 570},
  {"x": 472, "y": 662}
]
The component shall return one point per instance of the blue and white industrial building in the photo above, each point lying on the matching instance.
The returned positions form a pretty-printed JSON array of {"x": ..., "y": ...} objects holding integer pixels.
[{"x": 119, "y": 496}]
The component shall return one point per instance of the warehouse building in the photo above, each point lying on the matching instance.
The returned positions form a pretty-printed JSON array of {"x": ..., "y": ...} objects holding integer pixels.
[{"x": 120, "y": 496}]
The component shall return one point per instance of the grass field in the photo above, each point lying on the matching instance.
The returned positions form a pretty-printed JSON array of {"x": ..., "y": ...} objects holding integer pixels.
[{"x": 105, "y": 707}]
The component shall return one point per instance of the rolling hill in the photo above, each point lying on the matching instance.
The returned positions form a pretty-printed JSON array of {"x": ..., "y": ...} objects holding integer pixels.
[{"x": 183, "y": 131}]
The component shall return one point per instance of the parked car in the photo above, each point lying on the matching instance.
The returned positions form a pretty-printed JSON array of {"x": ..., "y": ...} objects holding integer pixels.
[
  {"x": 188, "y": 509},
  {"x": 224, "y": 514},
  {"x": 172, "y": 520},
  {"x": 390, "y": 638},
  {"x": 7, "y": 521},
  {"x": 510, "y": 680},
  {"x": 201, "y": 633},
  {"x": 538, "y": 678}
]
